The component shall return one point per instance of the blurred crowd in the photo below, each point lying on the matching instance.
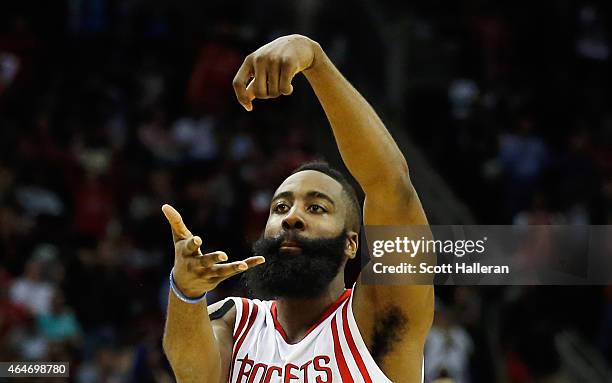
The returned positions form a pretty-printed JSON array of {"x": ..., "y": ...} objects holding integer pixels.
[
  {"x": 513, "y": 98},
  {"x": 514, "y": 101},
  {"x": 109, "y": 109}
]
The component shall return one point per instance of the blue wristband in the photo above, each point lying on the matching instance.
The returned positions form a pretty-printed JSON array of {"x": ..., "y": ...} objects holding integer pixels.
[{"x": 180, "y": 295}]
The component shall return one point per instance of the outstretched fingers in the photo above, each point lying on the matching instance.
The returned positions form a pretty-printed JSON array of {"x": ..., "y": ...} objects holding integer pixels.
[
  {"x": 209, "y": 259},
  {"x": 226, "y": 270}
]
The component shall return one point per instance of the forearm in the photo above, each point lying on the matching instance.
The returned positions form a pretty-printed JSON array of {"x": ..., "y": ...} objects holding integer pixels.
[
  {"x": 190, "y": 344},
  {"x": 366, "y": 146}
]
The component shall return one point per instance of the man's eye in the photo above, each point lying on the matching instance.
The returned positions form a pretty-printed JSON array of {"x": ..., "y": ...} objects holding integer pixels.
[
  {"x": 317, "y": 209},
  {"x": 280, "y": 208}
]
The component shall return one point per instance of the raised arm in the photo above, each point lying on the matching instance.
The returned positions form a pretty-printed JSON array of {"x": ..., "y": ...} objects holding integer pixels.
[{"x": 373, "y": 158}]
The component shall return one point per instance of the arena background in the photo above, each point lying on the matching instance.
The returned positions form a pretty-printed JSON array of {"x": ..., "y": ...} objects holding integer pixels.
[{"x": 108, "y": 109}]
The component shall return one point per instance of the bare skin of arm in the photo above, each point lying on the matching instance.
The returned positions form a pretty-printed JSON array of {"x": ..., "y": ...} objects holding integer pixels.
[
  {"x": 198, "y": 349},
  {"x": 373, "y": 158}
]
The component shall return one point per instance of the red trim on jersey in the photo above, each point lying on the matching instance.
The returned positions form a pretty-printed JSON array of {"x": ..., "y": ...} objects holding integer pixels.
[
  {"x": 345, "y": 295},
  {"x": 243, "y": 319},
  {"x": 252, "y": 317},
  {"x": 352, "y": 346},
  {"x": 344, "y": 371},
  {"x": 277, "y": 324}
]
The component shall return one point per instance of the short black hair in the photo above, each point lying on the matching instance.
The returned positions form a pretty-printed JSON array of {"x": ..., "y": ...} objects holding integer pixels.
[{"x": 353, "y": 219}]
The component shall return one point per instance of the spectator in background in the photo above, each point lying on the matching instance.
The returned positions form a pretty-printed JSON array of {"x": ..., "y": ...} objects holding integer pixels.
[
  {"x": 579, "y": 182},
  {"x": 93, "y": 197},
  {"x": 592, "y": 42},
  {"x": 100, "y": 289},
  {"x": 538, "y": 213},
  {"x": 448, "y": 349},
  {"x": 9, "y": 68},
  {"x": 27, "y": 342},
  {"x": 149, "y": 363},
  {"x": 156, "y": 138},
  {"x": 31, "y": 290},
  {"x": 110, "y": 364},
  {"x": 60, "y": 324},
  {"x": 12, "y": 315},
  {"x": 214, "y": 69},
  {"x": 195, "y": 137},
  {"x": 523, "y": 157}
]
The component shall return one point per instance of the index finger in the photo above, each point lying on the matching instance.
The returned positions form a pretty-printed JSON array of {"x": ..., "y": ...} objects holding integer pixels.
[
  {"x": 176, "y": 222},
  {"x": 240, "y": 82}
]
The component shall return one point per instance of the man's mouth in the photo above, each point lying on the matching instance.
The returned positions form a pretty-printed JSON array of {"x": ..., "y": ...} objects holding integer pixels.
[{"x": 290, "y": 245}]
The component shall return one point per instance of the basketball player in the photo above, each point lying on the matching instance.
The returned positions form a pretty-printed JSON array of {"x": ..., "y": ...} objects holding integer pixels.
[{"x": 315, "y": 330}]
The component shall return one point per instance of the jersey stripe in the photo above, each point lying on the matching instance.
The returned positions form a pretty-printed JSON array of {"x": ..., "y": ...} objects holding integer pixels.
[
  {"x": 245, "y": 307},
  {"x": 351, "y": 342},
  {"x": 345, "y": 374},
  {"x": 253, "y": 316},
  {"x": 243, "y": 318},
  {"x": 277, "y": 324}
]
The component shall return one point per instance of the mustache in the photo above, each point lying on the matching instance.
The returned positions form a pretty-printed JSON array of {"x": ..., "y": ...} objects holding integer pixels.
[
  {"x": 270, "y": 246},
  {"x": 274, "y": 243}
]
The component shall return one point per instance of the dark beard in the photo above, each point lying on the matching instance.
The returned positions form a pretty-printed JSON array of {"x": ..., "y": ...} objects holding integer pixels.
[{"x": 303, "y": 275}]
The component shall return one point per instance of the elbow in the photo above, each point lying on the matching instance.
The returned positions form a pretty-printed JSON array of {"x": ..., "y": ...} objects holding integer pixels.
[
  {"x": 394, "y": 172},
  {"x": 396, "y": 181},
  {"x": 400, "y": 176}
]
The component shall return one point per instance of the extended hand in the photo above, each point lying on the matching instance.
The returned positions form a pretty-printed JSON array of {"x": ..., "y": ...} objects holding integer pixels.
[
  {"x": 196, "y": 273},
  {"x": 271, "y": 68}
]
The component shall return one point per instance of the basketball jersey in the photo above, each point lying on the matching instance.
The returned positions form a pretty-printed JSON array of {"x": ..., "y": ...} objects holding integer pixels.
[{"x": 332, "y": 351}]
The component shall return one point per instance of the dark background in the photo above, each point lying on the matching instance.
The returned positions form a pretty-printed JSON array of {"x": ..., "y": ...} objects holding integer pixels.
[{"x": 108, "y": 109}]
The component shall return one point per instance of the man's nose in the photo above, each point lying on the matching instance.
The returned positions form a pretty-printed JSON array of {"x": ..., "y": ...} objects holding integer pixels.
[{"x": 293, "y": 221}]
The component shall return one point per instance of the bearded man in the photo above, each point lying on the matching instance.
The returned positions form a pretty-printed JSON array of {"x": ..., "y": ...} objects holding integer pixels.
[{"x": 310, "y": 328}]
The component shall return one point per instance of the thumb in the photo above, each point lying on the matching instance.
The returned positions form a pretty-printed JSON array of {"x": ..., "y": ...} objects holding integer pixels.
[{"x": 286, "y": 89}]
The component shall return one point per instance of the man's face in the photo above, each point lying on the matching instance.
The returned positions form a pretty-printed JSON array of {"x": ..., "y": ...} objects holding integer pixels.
[{"x": 305, "y": 241}]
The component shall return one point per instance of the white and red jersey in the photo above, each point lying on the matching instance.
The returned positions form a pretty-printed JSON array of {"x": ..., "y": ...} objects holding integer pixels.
[{"x": 332, "y": 350}]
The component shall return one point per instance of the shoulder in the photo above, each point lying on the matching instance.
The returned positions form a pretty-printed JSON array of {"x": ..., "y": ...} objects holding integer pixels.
[
  {"x": 223, "y": 312},
  {"x": 234, "y": 311}
]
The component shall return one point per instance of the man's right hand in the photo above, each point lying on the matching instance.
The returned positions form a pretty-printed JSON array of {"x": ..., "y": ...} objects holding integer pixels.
[{"x": 196, "y": 273}]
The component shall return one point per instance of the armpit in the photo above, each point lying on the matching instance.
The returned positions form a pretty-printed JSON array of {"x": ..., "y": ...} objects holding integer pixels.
[{"x": 388, "y": 330}]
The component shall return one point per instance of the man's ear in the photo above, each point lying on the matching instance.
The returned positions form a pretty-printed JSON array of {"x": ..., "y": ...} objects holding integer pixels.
[{"x": 352, "y": 243}]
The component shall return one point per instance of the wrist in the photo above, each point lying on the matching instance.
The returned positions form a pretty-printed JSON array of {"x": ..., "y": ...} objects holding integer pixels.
[
  {"x": 185, "y": 296},
  {"x": 319, "y": 58}
]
